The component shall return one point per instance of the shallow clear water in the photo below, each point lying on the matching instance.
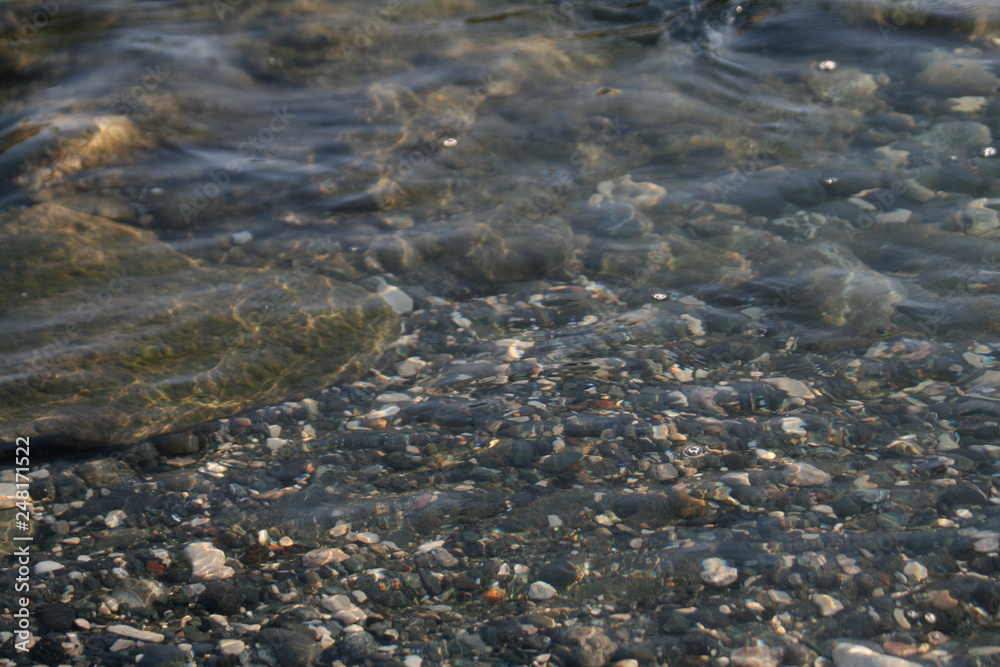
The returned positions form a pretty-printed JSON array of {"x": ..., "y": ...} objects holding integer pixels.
[{"x": 712, "y": 198}]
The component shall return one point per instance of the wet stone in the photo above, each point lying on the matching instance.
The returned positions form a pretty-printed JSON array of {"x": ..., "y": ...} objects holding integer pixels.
[
  {"x": 163, "y": 656},
  {"x": 290, "y": 648},
  {"x": 754, "y": 656},
  {"x": 584, "y": 647},
  {"x": 855, "y": 655},
  {"x": 559, "y": 573},
  {"x": 827, "y": 605},
  {"x": 207, "y": 562},
  {"x": 960, "y": 76},
  {"x": 137, "y": 387},
  {"x": 221, "y": 598},
  {"x": 804, "y": 474},
  {"x": 718, "y": 572},
  {"x": 56, "y": 616},
  {"x": 357, "y": 647}
]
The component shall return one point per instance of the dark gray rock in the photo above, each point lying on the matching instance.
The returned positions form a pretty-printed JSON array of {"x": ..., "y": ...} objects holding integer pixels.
[
  {"x": 358, "y": 646},
  {"x": 292, "y": 649},
  {"x": 163, "y": 656},
  {"x": 583, "y": 647}
]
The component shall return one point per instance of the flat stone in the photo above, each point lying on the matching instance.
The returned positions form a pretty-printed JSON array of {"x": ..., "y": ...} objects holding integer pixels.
[
  {"x": 129, "y": 632},
  {"x": 754, "y": 656},
  {"x": 322, "y": 556},
  {"x": 163, "y": 655},
  {"x": 444, "y": 557},
  {"x": 804, "y": 474},
  {"x": 854, "y": 655},
  {"x": 827, "y": 604},
  {"x": 540, "y": 590},
  {"x": 231, "y": 646},
  {"x": 367, "y": 538},
  {"x": 584, "y": 647},
  {"x": 292, "y": 649},
  {"x": 207, "y": 562},
  {"x": 46, "y": 566},
  {"x": 159, "y": 342},
  {"x": 960, "y": 77}
]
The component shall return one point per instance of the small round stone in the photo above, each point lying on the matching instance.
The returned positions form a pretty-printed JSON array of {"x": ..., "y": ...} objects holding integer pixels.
[
  {"x": 559, "y": 573},
  {"x": 358, "y": 646}
]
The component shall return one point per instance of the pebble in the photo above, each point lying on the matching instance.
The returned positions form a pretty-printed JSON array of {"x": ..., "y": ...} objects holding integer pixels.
[
  {"x": 559, "y": 573},
  {"x": 915, "y": 571},
  {"x": 114, "y": 519},
  {"x": 754, "y": 656},
  {"x": 129, "y": 632},
  {"x": 584, "y": 647},
  {"x": 163, "y": 655},
  {"x": 855, "y": 655},
  {"x": 987, "y": 545},
  {"x": 320, "y": 557},
  {"x": 398, "y": 300},
  {"x": 444, "y": 558},
  {"x": 718, "y": 572},
  {"x": 207, "y": 562},
  {"x": 540, "y": 590},
  {"x": 804, "y": 474},
  {"x": 231, "y": 646},
  {"x": 828, "y": 605},
  {"x": 46, "y": 566},
  {"x": 275, "y": 444},
  {"x": 293, "y": 649},
  {"x": 942, "y": 600},
  {"x": 358, "y": 646}
]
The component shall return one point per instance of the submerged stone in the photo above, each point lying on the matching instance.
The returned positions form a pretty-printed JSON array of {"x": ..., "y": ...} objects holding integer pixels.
[
  {"x": 828, "y": 281},
  {"x": 112, "y": 336},
  {"x": 959, "y": 76}
]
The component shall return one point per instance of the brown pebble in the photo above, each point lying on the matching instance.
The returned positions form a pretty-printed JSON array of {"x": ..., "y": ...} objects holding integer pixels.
[
  {"x": 943, "y": 601},
  {"x": 374, "y": 422},
  {"x": 899, "y": 649}
]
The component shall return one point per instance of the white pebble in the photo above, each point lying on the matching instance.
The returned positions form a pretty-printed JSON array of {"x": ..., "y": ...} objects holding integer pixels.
[
  {"x": 541, "y": 591},
  {"x": 718, "y": 572},
  {"x": 827, "y": 604},
  {"x": 207, "y": 562},
  {"x": 129, "y": 632}
]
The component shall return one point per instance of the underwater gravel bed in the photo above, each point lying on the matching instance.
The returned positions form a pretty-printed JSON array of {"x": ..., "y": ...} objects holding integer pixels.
[{"x": 647, "y": 484}]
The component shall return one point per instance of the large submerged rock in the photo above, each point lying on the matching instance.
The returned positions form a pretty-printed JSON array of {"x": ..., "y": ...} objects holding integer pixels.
[{"x": 109, "y": 336}]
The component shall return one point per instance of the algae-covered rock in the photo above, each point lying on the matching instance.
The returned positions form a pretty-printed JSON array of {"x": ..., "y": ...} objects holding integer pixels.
[{"x": 110, "y": 336}]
